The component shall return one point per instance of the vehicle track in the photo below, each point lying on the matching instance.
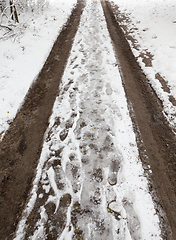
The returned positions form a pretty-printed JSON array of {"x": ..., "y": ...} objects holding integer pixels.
[
  {"x": 154, "y": 135},
  {"x": 22, "y": 144}
]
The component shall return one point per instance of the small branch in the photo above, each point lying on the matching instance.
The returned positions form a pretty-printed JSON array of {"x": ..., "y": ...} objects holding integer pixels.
[
  {"x": 3, "y": 13},
  {"x": 10, "y": 29},
  {"x": 13, "y": 11}
]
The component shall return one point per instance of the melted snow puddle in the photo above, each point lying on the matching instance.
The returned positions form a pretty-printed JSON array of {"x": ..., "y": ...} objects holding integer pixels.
[{"x": 90, "y": 182}]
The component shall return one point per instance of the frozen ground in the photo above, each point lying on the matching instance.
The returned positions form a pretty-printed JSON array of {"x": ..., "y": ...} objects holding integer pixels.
[
  {"x": 23, "y": 55},
  {"x": 90, "y": 182},
  {"x": 152, "y": 25}
]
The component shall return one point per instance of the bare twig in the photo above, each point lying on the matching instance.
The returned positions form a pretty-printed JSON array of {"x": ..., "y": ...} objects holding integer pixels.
[{"x": 6, "y": 27}]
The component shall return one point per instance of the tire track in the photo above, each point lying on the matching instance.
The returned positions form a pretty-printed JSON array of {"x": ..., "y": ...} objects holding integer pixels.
[
  {"x": 155, "y": 138},
  {"x": 22, "y": 144}
]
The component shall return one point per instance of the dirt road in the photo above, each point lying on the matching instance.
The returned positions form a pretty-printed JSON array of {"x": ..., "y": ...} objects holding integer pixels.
[{"x": 86, "y": 185}]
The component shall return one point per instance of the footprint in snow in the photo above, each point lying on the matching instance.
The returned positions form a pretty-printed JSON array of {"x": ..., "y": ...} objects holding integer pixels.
[
  {"x": 113, "y": 171},
  {"x": 133, "y": 222}
]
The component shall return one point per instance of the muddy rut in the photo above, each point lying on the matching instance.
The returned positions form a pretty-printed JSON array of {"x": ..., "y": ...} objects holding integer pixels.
[
  {"x": 157, "y": 137},
  {"x": 77, "y": 192},
  {"x": 22, "y": 144}
]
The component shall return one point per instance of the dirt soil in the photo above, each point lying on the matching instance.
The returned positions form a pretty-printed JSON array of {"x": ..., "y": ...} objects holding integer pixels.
[{"x": 22, "y": 144}]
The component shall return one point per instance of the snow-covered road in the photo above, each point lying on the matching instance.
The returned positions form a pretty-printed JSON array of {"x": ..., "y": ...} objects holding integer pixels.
[{"x": 89, "y": 182}]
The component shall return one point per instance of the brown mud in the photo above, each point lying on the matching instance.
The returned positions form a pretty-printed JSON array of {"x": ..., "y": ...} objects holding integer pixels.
[
  {"x": 21, "y": 146},
  {"x": 156, "y": 140}
]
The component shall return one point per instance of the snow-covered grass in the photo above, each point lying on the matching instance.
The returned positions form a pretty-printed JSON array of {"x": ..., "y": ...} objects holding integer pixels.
[
  {"x": 153, "y": 24},
  {"x": 23, "y": 55}
]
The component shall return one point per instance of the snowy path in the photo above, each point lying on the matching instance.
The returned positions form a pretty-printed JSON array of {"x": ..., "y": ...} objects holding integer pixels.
[{"x": 89, "y": 182}]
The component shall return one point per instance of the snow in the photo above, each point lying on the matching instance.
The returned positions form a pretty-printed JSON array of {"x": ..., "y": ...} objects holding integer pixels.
[
  {"x": 23, "y": 55},
  {"x": 95, "y": 140},
  {"x": 152, "y": 23}
]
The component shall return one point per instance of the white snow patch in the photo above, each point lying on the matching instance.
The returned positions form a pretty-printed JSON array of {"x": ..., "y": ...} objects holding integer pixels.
[{"x": 23, "y": 56}]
